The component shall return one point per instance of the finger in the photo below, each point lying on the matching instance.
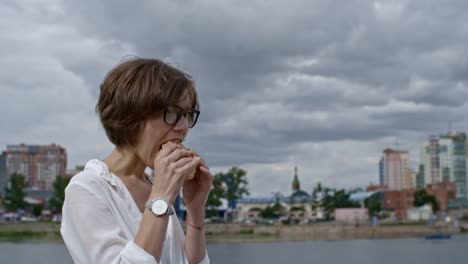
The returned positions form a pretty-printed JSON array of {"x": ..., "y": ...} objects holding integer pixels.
[
  {"x": 196, "y": 154},
  {"x": 204, "y": 167},
  {"x": 190, "y": 168},
  {"x": 182, "y": 162},
  {"x": 166, "y": 150},
  {"x": 177, "y": 154},
  {"x": 204, "y": 171},
  {"x": 180, "y": 169}
]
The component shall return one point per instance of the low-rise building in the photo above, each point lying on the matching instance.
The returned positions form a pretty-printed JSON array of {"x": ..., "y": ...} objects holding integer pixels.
[
  {"x": 444, "y": 193},
  {"x": 399, "y": 202},
  {"x": 298, "y": 206},
  {"x": 422, "y": 213},
  {"x": 351, "y": 215}
]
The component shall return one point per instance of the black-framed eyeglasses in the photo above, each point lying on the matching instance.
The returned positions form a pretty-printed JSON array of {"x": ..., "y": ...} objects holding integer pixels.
[{"x": 173, "y": 114}]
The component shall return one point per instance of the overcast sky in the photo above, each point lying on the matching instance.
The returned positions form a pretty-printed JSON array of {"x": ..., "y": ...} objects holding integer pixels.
[{"x": 322, "y": 85}]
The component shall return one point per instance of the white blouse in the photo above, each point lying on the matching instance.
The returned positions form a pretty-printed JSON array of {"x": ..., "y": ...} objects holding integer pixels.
[{"x": 101, "y": 219}]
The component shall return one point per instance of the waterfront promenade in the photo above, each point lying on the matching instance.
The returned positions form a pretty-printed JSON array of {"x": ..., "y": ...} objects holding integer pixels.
[{"x": 259, "y": 232}]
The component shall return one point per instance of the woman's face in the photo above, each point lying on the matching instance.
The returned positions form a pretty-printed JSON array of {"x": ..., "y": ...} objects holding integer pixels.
[{"x": 156, "y": 132}]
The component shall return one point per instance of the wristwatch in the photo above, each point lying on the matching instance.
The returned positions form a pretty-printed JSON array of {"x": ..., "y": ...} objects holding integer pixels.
[{"x": 159, "y": 207}]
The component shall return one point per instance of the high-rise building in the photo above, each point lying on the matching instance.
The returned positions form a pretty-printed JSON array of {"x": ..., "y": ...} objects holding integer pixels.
[
  {"x": 381, "y": 172},
  {"x": 40, "y": 164},
  {"x": 420, "y": 178},
  {"x": 395, "y": 165},
  {"x": 3, "y": 174},
  {"x": 409, "y": 180},
  {"x": 443, "y": 159}
]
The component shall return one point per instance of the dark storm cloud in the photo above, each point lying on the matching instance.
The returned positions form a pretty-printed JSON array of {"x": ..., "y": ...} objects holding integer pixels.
[{"x": 273, "y": 76}]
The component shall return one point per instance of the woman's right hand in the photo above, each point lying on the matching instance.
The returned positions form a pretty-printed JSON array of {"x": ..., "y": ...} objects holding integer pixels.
[{"x": 172, "y": 165}]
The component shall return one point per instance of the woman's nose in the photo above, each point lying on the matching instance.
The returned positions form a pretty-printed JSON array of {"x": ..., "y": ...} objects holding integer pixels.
[{"x": 182, "y": 124}]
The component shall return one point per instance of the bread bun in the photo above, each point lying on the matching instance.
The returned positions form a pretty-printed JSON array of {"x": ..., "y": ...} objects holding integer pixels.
[{"x": 193, "y": 170}]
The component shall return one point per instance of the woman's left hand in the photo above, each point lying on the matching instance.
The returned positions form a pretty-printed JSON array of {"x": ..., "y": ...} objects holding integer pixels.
[{"x": 195, "y": 192}]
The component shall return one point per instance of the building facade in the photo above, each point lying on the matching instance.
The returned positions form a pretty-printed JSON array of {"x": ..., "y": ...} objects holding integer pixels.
[
  {"x": 409, "y": 180},
  {"x": 351, "y": 215},
  {"x": 444, "y": 192},
  {"x": 381, "y": 172},
  {"x": 375, "y": 188},
  {"x": 443, "y": 159},
  {"x": 3, "y": 174},
  {"x": 396, "y": 170},
  {"x": 40, "y": 164},
  {"x": 400, "y": 201},
  {"x": 420, "y": 178}
]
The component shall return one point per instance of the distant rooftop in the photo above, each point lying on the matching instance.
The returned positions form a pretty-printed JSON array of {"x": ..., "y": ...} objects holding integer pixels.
[
  {"x": 273, "y": 200},
  {"x": 361, "y": 196}
]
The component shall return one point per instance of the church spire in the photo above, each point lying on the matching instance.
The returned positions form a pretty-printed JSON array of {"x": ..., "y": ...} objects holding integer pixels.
[{"x": 296, "y": 185}]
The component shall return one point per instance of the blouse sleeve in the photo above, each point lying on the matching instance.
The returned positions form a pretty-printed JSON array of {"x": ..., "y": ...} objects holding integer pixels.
[
  {"x": 205, "y": 260},
  {"x": 92, "y": 234}
]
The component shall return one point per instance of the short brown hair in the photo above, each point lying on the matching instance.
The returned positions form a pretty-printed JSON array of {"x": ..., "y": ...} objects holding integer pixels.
[{"x": 137, "y": 89}]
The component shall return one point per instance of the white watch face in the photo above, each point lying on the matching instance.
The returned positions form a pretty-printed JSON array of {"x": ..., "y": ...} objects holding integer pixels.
[{"x": 159, "y": 207}]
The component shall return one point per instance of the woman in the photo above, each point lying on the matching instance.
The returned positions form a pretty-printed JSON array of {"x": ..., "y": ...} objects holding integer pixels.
[{"x": 112, "y": 212}]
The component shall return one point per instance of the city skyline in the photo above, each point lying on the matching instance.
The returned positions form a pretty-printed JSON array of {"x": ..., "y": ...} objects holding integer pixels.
[
  {"x": 323, "y": 85},
  {"x": 403, "y": 181}
]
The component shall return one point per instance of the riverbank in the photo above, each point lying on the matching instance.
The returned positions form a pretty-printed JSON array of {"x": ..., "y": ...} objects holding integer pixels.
[
  {"x": 30, "y": 231},
  {"x": 324, "y": 231},
  {"x": 47, "y": 231}
]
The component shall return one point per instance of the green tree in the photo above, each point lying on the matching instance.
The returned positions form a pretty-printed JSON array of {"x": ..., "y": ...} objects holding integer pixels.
[
  {"x": 14, "y": 194},
  {"x": 435, "y": 204},
  {"x": 37, "y": 210},
  {"x": 317, "y": 190},
  {"x": 236, "y": 184},
  {"x": 327, "y": 202},
  {"x": 421, "y": 197},
  {"x": 217, "y": 193},
  {"x": 59, "y": 185},
  {"x": 277, "y": 206},
  {"x": 373, "y": 204},
  {"x": 269, "y": 212},
  {"x": 337, "y": 199}
]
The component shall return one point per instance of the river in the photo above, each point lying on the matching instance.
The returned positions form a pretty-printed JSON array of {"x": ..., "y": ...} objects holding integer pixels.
[{"x": 382, "y": 251}]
